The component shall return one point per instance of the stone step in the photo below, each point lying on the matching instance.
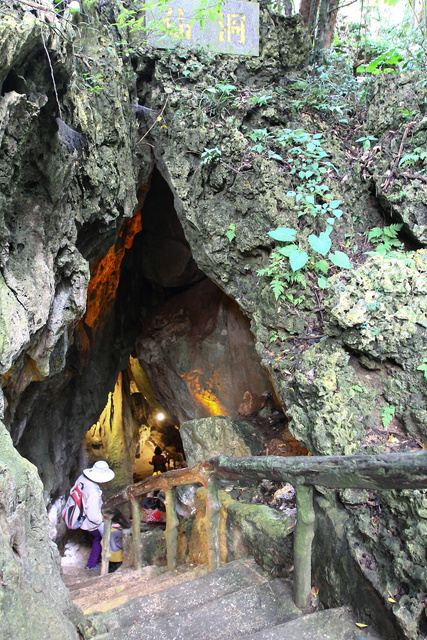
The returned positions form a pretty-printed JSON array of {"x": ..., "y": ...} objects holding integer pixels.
[
  {"x": 113, "y": 590},
  {"x": 227, "y": 579},
  {"x": 77, "y": 578},
  {"x": 330, "y": 624},
  {"x": 188, "y": 615}
]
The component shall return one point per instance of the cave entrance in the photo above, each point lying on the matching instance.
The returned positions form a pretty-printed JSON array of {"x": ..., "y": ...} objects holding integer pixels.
[
  {"x": 157, "y": 336},
  {"x": 193, "y": 355}
]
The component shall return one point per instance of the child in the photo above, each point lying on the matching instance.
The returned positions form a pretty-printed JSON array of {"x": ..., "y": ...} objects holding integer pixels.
[{"x": 151, "y": 510}]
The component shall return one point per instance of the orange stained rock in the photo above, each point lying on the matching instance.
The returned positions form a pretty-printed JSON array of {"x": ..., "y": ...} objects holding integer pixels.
[
  {"x": 203, "y": 394},
  {"x": 105, "y": 275},
  {"x": 18, "y": 378}
]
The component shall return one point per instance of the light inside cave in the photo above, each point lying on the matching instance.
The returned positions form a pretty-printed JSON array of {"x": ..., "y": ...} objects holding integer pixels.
[
  {"x": 129, "y": 428},
  {"x": 204, "y": 394},
  {"x": 209, "y": 346}
]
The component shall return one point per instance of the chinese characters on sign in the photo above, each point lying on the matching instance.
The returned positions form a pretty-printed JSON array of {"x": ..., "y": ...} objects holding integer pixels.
[{"x": 235, "y": 29}]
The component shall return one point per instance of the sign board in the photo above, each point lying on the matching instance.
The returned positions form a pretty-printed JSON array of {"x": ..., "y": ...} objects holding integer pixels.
[{"x": 235, "y": 29}]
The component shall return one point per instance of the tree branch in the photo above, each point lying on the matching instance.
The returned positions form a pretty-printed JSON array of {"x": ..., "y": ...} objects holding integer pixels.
[
  {"x": 399, "y": 155},
  {"x": 158, "y": 119}
]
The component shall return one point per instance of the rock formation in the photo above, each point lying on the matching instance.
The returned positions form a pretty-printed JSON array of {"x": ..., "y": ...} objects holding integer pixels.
[{"x": 121, "y": 242}]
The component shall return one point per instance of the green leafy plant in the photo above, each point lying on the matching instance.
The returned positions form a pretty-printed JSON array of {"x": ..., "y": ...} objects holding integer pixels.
[
  {"x": 295, "y": 300},
  {"x": 384, "y": 63},
  {"x": 216, "y": 97},
  {"x": 423, "y": 367},
  {"x": 385, "y": 238},
  {"x": 328, "y": 86},
  {"x": 407, "y": 114},
  {"x": 357, "y": 387},
  {"x": 231, "y": 232},
  {"x": 417, "y": 156},
  {"x": 261, "y": 138},
  {"x": 261, "y": 99},
  {"x": 366, "y": 141},
  {"x": 93, "y": 82},
  {"x": 308, "y": 162},
  {"x": 210, "y": 156},
  {"x": 387, "y": 415}
]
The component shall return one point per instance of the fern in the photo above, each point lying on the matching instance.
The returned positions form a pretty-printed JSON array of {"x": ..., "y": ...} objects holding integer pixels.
[
  {"x": 387, "y": 415},
  {"x": 277, "y": 287},
  {"x": 376, "y": 232},
  {"x": 392, "y": 230},
  {"x": 386, "y": 238}
]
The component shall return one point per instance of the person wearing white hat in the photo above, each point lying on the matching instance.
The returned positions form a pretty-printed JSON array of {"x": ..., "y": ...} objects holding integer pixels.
[{"x": 92, "y": 504}]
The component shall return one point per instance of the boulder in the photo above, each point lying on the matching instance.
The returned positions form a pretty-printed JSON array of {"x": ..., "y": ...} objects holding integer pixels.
[{"x": 218, "y": 435}]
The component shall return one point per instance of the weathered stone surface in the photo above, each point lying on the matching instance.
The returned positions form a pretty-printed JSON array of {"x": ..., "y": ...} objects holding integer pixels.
[
  {"x": 199, "y": 354},
  {"x": 14, "y": 327},
  {"x": 395, "y": 117},
  {"x": 219, "y": 435},
  {"x": 261, "y": 532},
  {"x": 378, "y": 317},
  {"x": 62, "y": 212},
  {"x": 335, "y": 623},
  {"x": 337, "y": 582},
  {"x": 34, "y": 602}
]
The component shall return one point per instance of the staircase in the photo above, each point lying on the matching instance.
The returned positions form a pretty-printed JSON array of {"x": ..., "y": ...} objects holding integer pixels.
[{"x": 236, "y": 601}]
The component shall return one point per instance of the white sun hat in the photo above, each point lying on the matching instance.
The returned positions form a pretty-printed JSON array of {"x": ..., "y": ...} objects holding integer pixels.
[{"x": 100, "y": 472}]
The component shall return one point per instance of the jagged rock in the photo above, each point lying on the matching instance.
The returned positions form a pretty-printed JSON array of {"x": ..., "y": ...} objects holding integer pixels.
[
  {"x": 251, "y": 404},
  {"x": 63, "y": 213},
  {"x": 219, "y": 435},
  {"x": 34, "y": 602}
]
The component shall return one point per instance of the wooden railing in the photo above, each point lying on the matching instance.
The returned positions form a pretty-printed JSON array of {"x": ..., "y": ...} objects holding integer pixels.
[{"x": 389, "y": 471}]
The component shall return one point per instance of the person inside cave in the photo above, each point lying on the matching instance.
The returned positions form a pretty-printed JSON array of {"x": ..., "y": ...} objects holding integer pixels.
[
  {"x": 151, "y": 509},
  {"x": 92, "y": 506},
  {"x": 158, "y": 461}
]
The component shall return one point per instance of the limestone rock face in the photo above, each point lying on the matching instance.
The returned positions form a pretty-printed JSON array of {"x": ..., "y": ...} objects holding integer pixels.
[
  {"x": 405, "y": 195},
  {"x": 34, "y": 602},
  {"x": 219, "y": 435},
  {"x": 199, "y": 354},
  {"x": 93, "y": 270}
]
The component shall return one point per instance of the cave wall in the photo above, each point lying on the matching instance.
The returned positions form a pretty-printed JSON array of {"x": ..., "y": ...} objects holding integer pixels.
[
  {"x": 200, "y": 355},
  {"x": 34, "y": 602},
  {"x": 70, "y": 224}
]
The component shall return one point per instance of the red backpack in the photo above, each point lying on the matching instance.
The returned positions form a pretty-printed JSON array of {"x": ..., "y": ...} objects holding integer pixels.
[{"x": 73, "y": 511}]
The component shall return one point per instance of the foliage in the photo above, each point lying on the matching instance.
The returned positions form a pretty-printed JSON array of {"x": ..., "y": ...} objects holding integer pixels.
[
  {"x": 384, "y": 63},
  {"x": 261, "y": 99},
  {"x": 308, "y": 163},
  {"x": 416, "y": 158},
  {"x": 231, "y": 232},
  {"x": 216, "y": 97},
  {"x": 387, "y": 415},
  {"x": 211, "y": 156},
  {"x": 93, "y": 82},
  {"x": 328, "y": 86},
  {"x": 408, "y": 40},
  {"x": 366, "y": 141},
  {"x": 423, "y": 367},
  {"x": 385, "y": 238}
]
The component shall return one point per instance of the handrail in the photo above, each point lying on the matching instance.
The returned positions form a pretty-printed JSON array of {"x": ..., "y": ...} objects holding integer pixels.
[{"x": 385, "y": 471}]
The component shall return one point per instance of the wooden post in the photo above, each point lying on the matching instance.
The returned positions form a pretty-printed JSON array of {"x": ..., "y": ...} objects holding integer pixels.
[
  {"x": 303, "y": 537},
  {"x": 105, "y": 557},
  {"x": 171, "y": 528},
  {"x": 136, "y": 533},
  {"x": 213, "y": 505}
]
